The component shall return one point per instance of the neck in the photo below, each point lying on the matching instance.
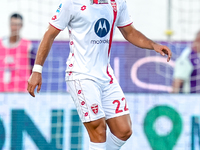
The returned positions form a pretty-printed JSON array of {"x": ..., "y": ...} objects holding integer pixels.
[{"x": 14, "y": 39}]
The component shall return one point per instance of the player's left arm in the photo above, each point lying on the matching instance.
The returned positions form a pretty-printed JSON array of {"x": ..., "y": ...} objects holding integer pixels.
[{"x": 138, "y": 39}]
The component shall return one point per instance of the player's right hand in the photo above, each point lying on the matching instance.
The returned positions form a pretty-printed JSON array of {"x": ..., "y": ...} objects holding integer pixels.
[{"x": 34, "y": 80}]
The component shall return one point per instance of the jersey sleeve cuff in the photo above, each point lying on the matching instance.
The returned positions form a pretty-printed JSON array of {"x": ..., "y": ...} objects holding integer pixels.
[
  {"x": 55, "y": 27},
  {"x": 125, "y": 25}
]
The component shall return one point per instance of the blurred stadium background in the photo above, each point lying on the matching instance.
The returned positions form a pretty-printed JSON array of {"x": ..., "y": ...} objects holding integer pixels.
[{"x": 161, "y": 121}]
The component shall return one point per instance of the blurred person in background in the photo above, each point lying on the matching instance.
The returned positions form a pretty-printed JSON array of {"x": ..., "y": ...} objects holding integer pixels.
[
  {"x": 15, "y": 62},
  {"x": 187, "y": 69}
]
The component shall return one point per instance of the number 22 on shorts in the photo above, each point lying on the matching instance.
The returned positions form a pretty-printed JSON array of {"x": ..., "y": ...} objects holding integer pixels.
[{"x": 118, "y": 105}]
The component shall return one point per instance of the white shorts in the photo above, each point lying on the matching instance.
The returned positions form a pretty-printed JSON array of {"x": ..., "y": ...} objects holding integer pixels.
[{"x": 94, "y": 101}]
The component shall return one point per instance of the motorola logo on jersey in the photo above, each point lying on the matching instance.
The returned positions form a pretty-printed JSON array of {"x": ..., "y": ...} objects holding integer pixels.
[{"x": 102, "y": 27}]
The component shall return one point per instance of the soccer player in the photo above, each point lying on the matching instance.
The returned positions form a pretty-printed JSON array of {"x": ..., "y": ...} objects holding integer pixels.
[
  {"x": 15, "y": 63},
  {"x": 187, "y": 70},
  {"x": 90, "y": 79}
]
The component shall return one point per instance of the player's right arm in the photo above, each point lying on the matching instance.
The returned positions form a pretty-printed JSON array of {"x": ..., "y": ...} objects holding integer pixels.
[{"x": 42, "y": 53}]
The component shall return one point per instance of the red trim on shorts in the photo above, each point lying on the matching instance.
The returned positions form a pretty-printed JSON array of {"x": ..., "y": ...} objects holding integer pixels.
[
  {"x": 114, "y": 5},
  {"x": 125, "y": 25},
  {"x": 55, "y": 27},
  {"x": 82, "y": 93}
]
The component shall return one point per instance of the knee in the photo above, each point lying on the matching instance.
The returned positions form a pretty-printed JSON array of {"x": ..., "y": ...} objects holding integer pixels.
[
  {"x": 128, "y": 133},
  {"x": 121, "y": 127},
  {"x": 125, "y": 133}
]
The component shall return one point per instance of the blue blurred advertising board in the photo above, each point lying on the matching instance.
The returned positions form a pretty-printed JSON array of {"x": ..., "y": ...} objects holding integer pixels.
[{"x": 137, "y": 70}]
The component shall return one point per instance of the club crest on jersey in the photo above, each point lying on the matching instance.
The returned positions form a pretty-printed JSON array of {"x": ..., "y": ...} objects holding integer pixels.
[
  {"x": 102, "y": 27},
  {"x": 114, "y": 5},
  {"x": 58, "y": 10},
  {"x": 95, "y": 108}
]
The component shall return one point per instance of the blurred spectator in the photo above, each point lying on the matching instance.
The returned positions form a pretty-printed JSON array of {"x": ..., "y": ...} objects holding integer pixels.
[
  {"x": 15, "y": 53},
  {"x": 187, "y": 69}
]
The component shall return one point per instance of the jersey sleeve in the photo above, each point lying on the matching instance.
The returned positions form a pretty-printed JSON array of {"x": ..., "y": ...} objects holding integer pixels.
[
  {"x": 124, "y": 17},
  {"x": 63, "y": 15},
  {"x": 183, "y": 69}
]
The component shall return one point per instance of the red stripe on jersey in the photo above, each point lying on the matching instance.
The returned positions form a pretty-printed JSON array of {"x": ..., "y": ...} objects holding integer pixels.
[
  {"x": 112, "y": 29},
  {"x": 114, "y": 5},
  {"x": 125, "y": 25},
  {"x": 55, "y": 27},
  {"x": 111, "y": 78}
]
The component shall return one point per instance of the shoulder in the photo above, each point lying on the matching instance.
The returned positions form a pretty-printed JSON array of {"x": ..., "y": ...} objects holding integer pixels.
[
  {"x": 65, "y": 4},
  {"x": 65, "y": 1},
  {"x": 121, "y": 2}
]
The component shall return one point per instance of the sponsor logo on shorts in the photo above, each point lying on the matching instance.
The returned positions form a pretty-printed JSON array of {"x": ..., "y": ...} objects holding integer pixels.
[{"x": 95, "y": 108}]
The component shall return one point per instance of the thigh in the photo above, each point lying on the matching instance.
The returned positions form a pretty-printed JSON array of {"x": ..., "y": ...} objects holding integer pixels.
[
  {"x": 113, "y": 101},
  {"x": 86, "y": 95}
]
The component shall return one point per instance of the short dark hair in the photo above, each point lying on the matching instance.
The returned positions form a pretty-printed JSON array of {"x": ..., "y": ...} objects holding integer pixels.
[{"x": 16, "y": 15}]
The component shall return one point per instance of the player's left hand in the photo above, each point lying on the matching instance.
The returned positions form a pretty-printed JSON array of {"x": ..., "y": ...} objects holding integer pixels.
[{"x": 163, "y": 50}]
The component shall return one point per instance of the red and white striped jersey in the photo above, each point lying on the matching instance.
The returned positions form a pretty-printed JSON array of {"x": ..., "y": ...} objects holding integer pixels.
[{"x": 91, "y": 28}]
